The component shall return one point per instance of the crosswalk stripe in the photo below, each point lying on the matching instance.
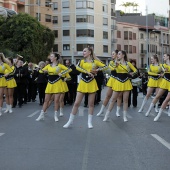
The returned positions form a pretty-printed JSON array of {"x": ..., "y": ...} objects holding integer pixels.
[{"x": 33, "y": 114}]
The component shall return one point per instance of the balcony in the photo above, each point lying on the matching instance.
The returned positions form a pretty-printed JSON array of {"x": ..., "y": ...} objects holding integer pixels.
[
  {"x": 142, "y": 51},
  {"x": 113, "y": 27},
  {"x": 21, "y": 2},
  {"x": 114, "y": 40}
]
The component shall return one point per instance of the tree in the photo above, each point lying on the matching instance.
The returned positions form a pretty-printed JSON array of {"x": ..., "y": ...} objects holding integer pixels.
[{"x": 24, "y": 35}]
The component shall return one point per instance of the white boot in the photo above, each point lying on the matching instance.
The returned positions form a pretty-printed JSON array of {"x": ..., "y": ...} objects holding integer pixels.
[
  {"x": 158, "y": 116},
  {"x": 7, "y": 108},
  {"x": 70, "y": 121},
  {"x": 143, "y": 104},
  {"x": 169, "y": 111},
  {"x": 90, "y": 126},
  {"x": 117, "y": 111},
  {"x": 0, "y": 111},
  {"x": 41, "y": 116},
  {"x": 106, "y": 117},
  {"x": 149, "y": 110},
  {"x": 55, "y": 116},
  {"x": 101, "y": 110},
  {"x": 61, "y": 112},
  {"x": 10, "y": 109},
  {"x": 156, "y": 108},
  {"x": 125, "y": 116}
]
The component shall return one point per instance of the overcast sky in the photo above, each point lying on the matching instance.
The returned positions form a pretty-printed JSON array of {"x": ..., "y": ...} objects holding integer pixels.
[{"x": 159, "y": 7}]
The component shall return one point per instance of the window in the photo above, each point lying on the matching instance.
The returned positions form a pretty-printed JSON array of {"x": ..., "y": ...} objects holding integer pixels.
[
  {"x": 56, "y": 33},
  {"x": 130, "y": 49},
  {"x": 38, "y": 2},
  {"x": 66, "y": 4},
  {"x": 134, "y": 49},
  {"x": 125, "y": 35},
  {"x": 85, "y": 33},
  {"x": 105, "y": 48},
  {"x": 84, "y": 4},
  {"x": 39, "y": 19},
  {"x": 48, "y": 18},
  {"x": 118, "y": 34},
  {"x": 80, "y": 47},
  {"x": 55, "y": 19},
  {"x": 134, "y": 36},
  {"x": 66, "y": 32},
  {"x": 85, "y": 18},
  {"x": 66, "y": 18},
  {"x": 105, "y": 8},
  {"x": 55, "y": 5},
  {"x": 55, "y": 48},
  {"x": 47, "y": 3},
  {"x": 141, "y": 48},
  {"x": 119, "y": 47},
  {"x": 130, "y": 35},
  {"x": 105, "y": 35},
  {"x": 126, "y": 48},
  {"x": 66, "y": 47},
  {"x": 105, "y": 21},
  {"x": 141, "y": 36}
]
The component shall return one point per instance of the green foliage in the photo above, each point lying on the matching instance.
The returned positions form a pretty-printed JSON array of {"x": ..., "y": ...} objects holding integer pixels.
[{"x": 24, "y": 35}]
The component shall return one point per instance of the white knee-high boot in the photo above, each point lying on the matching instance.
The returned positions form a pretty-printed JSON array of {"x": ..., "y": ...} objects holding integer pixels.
[
  {"x": 7, "y": 108},
  {"x": 117, "y": 111},
  {"x": 106, "y": 117},
  {"x": 10, "y": 109},
  {"x": 158, "y": 115},
  {"x": 169, "y": 111},
  {"x": 125, "y": 116},
  {"x": 156, "y": 107},
  {"x": 101, "y": 110},
  {"x": 70, "y": 121},
  {"x": 90, "y": 126},
  {"x": 149, "y": 110},
  {"x": 61, "y": 112},
  {"x": 0, "y": 111},
  {"x": 41, "y": 116},
  {"x": 56, "y": 116},
  {"x": 143, "y": 104}
]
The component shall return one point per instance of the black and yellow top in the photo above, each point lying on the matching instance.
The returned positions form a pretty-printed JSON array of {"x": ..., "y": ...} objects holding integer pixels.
[
  {"x": 88, "y": 84},
  {"x": 10, "y": 81},
  {"x": 122, "y": 82},
  {"x": 154, "y": 75},
  {"x": 165, "y": 83},
  {"x": 54, "y": 80},
  {"x": 4, "y": 67}
]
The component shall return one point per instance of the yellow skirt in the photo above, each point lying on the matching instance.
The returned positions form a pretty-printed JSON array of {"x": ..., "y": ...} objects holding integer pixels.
[
  {"x": 111, "y": 82},
  {"x": 154, "y": 83},
  {"x": 54, "y": 88},
  {"x": 65, "y": 87},
  {"x": 165, "y": 84},
  {"x": 3, "y": 82},
  {"x": 90, "y": 87},
  {"x": 119, "y": 86},
  {"x": 11, "y": 83}
]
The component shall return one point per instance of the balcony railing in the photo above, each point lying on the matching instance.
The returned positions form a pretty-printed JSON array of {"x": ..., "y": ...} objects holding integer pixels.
[{"x": 143, "y": 51}]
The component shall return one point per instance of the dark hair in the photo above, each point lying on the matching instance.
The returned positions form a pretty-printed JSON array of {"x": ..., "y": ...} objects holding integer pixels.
[
  {"x": 116, "y": 51},
  {"x": 125, "y": 55},
  {"x": 11, "y": 60},
  {"x": 57, "y": 55},
  {"x": 156, "y": 57},
  {"x": 48, "y": 60}
]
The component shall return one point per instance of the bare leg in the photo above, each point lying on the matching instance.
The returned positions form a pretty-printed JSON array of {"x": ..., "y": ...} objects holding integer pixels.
[
  {"x": 61, "y": 104},
  {"x": 7, "y": 100},
  {"x": 119, "y": 101},
  {"x": 125, "y": 105},
  {"x": 56, "y": 103}
]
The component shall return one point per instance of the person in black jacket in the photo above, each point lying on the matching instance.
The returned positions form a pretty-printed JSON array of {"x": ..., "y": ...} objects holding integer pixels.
[
  {"x": 72, "y": 84},
  {"x": 20, "y": 78}
]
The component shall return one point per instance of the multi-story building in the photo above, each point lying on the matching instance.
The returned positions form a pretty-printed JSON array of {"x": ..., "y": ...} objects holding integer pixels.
[{"x": 81, "y": 23}]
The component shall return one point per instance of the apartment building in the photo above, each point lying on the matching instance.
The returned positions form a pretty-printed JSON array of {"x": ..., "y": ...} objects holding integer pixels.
[{"x": 79, "y": 23}]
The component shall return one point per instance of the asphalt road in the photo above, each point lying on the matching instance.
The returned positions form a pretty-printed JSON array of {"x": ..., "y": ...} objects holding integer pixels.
[{"x": 139, "y": 144}]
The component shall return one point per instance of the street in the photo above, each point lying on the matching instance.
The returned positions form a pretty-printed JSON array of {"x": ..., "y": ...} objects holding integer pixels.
[{"x": 139, "y": 144}]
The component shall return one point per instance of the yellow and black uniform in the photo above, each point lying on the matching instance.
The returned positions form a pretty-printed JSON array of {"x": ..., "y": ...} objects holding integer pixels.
[
  {"x": 154, "y": 78},
  {"x": 10, "y": 81},
  {"x": 4, "y": 67},
  {"x": 88, "y": 84},
  {"x": 165, "y": 83},
  {"x": 54, "y": 80},
  {"x": 122, "y": 82},
  {"x": 64, "y": 84},
  {"x": 111, "y": 80}
]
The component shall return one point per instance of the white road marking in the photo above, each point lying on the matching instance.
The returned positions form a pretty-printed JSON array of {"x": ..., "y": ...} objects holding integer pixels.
[
  {"x": 2, "y": 134},
  {"x": 33, "y": 114},
  {"x": 129, "y": 116},
  {"x": 161, "y": 140},
  {"x": 153, "y": 114}
]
